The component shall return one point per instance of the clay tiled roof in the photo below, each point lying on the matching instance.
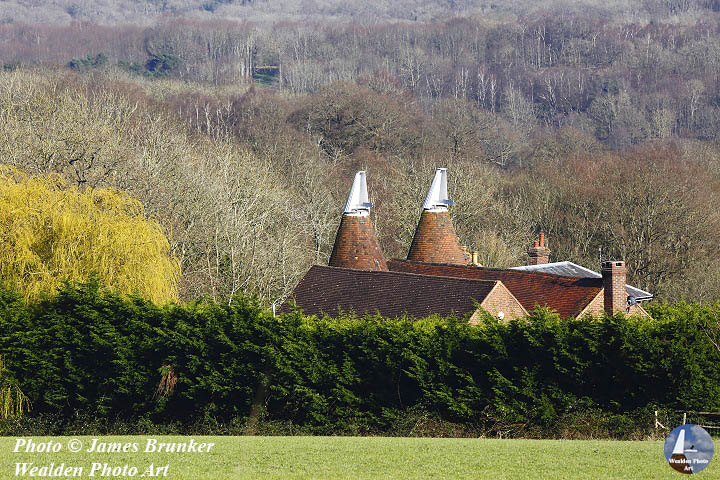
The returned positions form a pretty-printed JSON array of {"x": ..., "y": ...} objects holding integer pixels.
[
  {"x": 570, "y": 269},
  {"x": 392, "y": 294},
  {"x": 356, "y": 245},
  {"x": 435, "y": 240},
  {"x": 566, "y": 295}
]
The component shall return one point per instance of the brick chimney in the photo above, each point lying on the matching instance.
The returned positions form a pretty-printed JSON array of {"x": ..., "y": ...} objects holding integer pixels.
[
  {"x": 435, "y": 240},
  {"x": 538, "y": 253},
  {"x": 356, "y": 244},
  {"x": 614, "y": 277}
]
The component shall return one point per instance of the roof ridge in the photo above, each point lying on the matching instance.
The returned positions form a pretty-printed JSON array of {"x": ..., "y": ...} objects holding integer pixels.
[
  {"x": 494, "y": 269},
  {"x": 537, "y": 268},
  {"x": 327, "y": 289},
  {"x": 393, "y": 272}
]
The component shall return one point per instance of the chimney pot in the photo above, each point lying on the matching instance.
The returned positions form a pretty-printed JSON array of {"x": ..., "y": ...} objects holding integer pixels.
[{"x": 538, "y": 254}]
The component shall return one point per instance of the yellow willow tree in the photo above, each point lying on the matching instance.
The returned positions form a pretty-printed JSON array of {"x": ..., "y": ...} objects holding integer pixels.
[
  {"x": 13, "y": 402},
  {"x": 50, "y": 233}
]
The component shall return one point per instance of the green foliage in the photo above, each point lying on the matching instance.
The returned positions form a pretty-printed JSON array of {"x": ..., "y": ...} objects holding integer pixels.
[
  {"x": 85, "y": 64},
  {"x": 158, "y": 65},
  {"x": 132, "y": 67},
  {"x": 161, "y": 64},
  {"x": 11, "y": 67},
  {"x": 94, "y": 351}
]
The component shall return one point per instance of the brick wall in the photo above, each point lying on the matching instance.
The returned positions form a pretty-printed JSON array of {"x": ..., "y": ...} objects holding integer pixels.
[
  {"x": 435, "y": 240},
  {"x": 614, "y": 276},
  {"x": 500, "y": 300},
  {"x": 597, "y": 306},
  {"x": 356, "y": 245}
]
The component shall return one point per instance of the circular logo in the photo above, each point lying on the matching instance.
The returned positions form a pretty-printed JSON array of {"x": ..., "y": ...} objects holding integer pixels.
[{"x": 689, "y": 448}]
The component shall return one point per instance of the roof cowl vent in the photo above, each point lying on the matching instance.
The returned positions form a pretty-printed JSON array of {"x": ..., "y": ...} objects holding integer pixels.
[
  {"x": 357, "y": 204},
  {"x": 437, "y": 197}
]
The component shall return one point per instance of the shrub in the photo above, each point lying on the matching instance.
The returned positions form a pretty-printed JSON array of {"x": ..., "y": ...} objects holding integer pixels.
[{"x": 96, "y": 359}]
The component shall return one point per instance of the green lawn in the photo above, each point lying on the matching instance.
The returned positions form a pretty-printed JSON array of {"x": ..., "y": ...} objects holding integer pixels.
[{"x": 370, "y": 458}]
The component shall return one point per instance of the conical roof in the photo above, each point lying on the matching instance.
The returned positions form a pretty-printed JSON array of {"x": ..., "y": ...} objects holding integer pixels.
[
  {"x": 435, "y": 240},
  {"x": 356, "y": 244}
]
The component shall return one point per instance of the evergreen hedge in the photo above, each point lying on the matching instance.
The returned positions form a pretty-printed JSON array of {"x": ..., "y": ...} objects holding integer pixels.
[{"x": 88, "y": 352}]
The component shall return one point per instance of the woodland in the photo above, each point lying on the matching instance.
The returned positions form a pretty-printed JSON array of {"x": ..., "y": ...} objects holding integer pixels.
[{"x": 238, "y": 128}]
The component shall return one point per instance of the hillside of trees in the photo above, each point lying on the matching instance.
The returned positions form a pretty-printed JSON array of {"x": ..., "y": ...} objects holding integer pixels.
[
  {"x": 148, "y": 11},
  {"x": 623, "y": 78},
  {"x": 369, "y": 12},
  {"x": 597, "y": 124},
  {"x": 250, "y": 186}
]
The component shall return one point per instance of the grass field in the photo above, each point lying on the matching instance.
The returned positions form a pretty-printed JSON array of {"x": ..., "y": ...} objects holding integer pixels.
[{"x": 363, "y": 458}]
